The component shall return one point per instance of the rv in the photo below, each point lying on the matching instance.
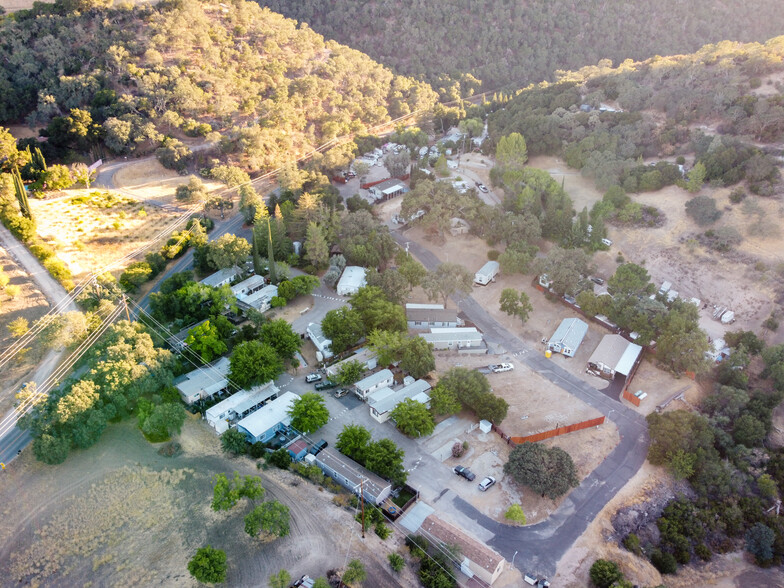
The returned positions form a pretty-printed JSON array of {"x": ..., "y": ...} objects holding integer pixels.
[{"x": 487, "y": 274}]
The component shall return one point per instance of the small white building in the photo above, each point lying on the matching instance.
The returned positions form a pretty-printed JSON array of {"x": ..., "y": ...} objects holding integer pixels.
[
  {"x": 373, "y": 382},
  {"x": 222, "y": 277},
  {"x": 568, "y": 336},
  {"x": 264, "y": 423},
  {"x": 459, "y": 338},
  {"x": 352, "y": 280},
  {"x": 203, "y": 382},
  {"x": 365, "y": 356},
  {"x": 240, "y": 404},
  {"x": 487, "y": 273},
  {"x": 322, "y": 343},
  {"x": 423, "y": 305},
  {"x": 383, "y": 401}
]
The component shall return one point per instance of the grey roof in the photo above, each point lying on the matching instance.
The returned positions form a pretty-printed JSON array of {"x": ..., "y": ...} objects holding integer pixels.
[
  {"x": 617, "y": 353},
  {"x": 385, "y": 399},
  {"x": 389, "y": 186},
  {"x": 489, "y": 267},
  {"x": 432, "y": 315},
  {"x": 208, "y": 379},
  {"x": 220, "y": 276},
  {"x": 374, "y": 379},
  {"x": 415, "y": 516},
  {"x": 353, "y": 278},
  {"x": 570, "y": 333},
  {"x": 337, "y": 462}
]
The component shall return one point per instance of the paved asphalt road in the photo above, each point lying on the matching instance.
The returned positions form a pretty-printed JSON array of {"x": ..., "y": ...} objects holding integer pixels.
[
  {"x": 537, "y": 548},
  {"x": 12, "y": 441}
]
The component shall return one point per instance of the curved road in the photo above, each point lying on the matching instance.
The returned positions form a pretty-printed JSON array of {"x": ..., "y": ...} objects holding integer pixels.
[{"x": 537, "y": 548}]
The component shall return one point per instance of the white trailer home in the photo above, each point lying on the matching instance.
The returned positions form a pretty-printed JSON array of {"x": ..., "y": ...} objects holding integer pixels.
[{"x": 488, "y": 273}]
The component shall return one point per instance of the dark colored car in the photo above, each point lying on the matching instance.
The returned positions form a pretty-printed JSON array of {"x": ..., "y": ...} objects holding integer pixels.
[
  {"x": 464, "y": 472},
  {"x": 318, "y": 447},
  {"x": 325, "y": 385},
  {"x": 596, "y": 280}
]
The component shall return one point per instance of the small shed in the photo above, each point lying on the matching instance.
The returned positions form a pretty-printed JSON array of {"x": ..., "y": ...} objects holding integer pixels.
[
  {"x": 352, "y": 280},
  {"x": 568, "y": 336},
  {"x": 297, "y": 449}
]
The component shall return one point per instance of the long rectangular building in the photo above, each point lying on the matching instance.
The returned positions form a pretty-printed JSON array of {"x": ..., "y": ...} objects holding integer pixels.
[
  {"x": 262, "y": 424},
  {"x": 221, "y": 416}
]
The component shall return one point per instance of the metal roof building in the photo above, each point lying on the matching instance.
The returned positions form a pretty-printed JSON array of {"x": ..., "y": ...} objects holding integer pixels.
[
  {"x": 352, "y": 476},
  {"x": 374, "y": 382},
  {"x": 425, "y": 318},
  {"x": 365, "y": 356},
  {"x": 238, "y": 405},
  {"x": 613, "y": 355},
  {"x": 384, "y": 400},
  {"x": 262, "y": 424},
  {"x": 316, "y": 334},
  {"x": 568, "y": 336},
  {"x": 221, "y": 277},
  {"x": 352, "y": 280},
  {"x": 388, "y": 189},
  {"x": 454, "y": 338},
  {"x": 203, "y": 382}
]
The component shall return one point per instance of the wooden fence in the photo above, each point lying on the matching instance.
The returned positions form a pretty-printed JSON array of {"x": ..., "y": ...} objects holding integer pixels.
[
  {"x": 630, "y": 397},
  {"x": 550, "y": 434}
]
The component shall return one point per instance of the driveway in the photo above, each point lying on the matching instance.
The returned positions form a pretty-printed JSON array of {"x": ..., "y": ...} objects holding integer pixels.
[{"x": 537, "y": 548}]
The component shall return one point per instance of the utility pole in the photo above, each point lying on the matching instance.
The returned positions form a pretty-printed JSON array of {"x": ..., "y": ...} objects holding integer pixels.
[
  {"x": 362, "y": 498},
  {"x": 125, "y": 303}
]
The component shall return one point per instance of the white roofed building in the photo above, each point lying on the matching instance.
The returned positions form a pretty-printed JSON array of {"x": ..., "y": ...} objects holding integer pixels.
[
  {"x": 246, "y": 287},
  {"x": 320, "y": 340},
  {"x": 264, "y": 423},
  {"x": 352, "y": 280},
  {"x": 240, "y": 404},
  {"x": 456, "y": 339},
  {"x": 365, "y": 356},
  {"x": 614, "y": 355},
  {"x": 373, "y": 382},
  {"x": 222, "y": 277}
]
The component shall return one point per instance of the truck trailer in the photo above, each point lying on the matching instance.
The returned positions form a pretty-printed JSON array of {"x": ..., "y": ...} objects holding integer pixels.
[{"x": 487, "y": 274}]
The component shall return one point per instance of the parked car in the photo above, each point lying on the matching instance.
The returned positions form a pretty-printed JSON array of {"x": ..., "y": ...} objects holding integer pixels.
[
  {"x": 486, "y": 483},
  {"x": 341, "y": 392},
  {"x": 502, "y": 367},
  {"x": 607, "y": 242},
  {"x": 314, "y": 377},
  {"x": 318, "y": 447},
  {"x": 464, "y": 472},
  {"x": 596, "y": 280},
  {"x": 483, "y": 188},
  {"x": 325, "y": 385}
]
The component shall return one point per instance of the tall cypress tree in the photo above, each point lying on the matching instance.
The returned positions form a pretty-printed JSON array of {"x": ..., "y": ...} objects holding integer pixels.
[
  {"x": 271, "y": 254},
  {"x": 21, "y": 194}
]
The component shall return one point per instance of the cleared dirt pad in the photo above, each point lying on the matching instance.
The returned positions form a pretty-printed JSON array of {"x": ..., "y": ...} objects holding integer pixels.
[{"x": 119, "y": 513}]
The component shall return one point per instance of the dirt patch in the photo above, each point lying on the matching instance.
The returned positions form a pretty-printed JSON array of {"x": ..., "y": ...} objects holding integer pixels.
[
  {"x": 122, "y": 513},
  {"x": 89, "y": 235},
  {"x": 535, "y": 405},
  {"x": 29, "y": 304}
]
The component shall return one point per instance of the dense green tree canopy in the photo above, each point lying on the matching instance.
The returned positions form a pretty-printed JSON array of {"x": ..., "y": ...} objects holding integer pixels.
[
  {"x": 208, "y": 565},
  {"x": 309, "y": 413},
  {"x": 547, "y": 471},
  {"x": 413, "y": 418},
  {"x": 254, "y": 363}
]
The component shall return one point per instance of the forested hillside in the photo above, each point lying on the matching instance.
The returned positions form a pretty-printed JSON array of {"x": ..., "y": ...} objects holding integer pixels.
[
  {"x": 518, "y": 42},
  {"x": 722, "y": 103},
  {"x": 128, "y": 76}
]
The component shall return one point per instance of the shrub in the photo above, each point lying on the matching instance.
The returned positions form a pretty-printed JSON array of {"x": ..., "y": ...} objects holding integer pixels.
[
  {"x": 664, "y": 562},
  {"x": 680, "y": 160},
  {"x": 457, "y": 449},
  {"x": 382, "y": 531},
  {"x": 135, "y": 275},
  {"x": 702, "y": 209},
  {"x": 208, "y": 565},
  {"x": 703, "y": 552},
  {"x": 515, "y": 513},
  {"x": 21, "y": 227},
  {"x": 280, "y": 459},
  {"x": 605, "y": 573},
  {"x": 632, "y": 543},
  {"x": 737, "y": 195},
  {"x": 41, "y": 250},
  {"x": 396, "y": 561},
  {"x": 257, "y": 450},
  {"x": 493, "y": 254},
  {"x": 771, "y": 323},
  {"x": 277, "y": 302}
]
